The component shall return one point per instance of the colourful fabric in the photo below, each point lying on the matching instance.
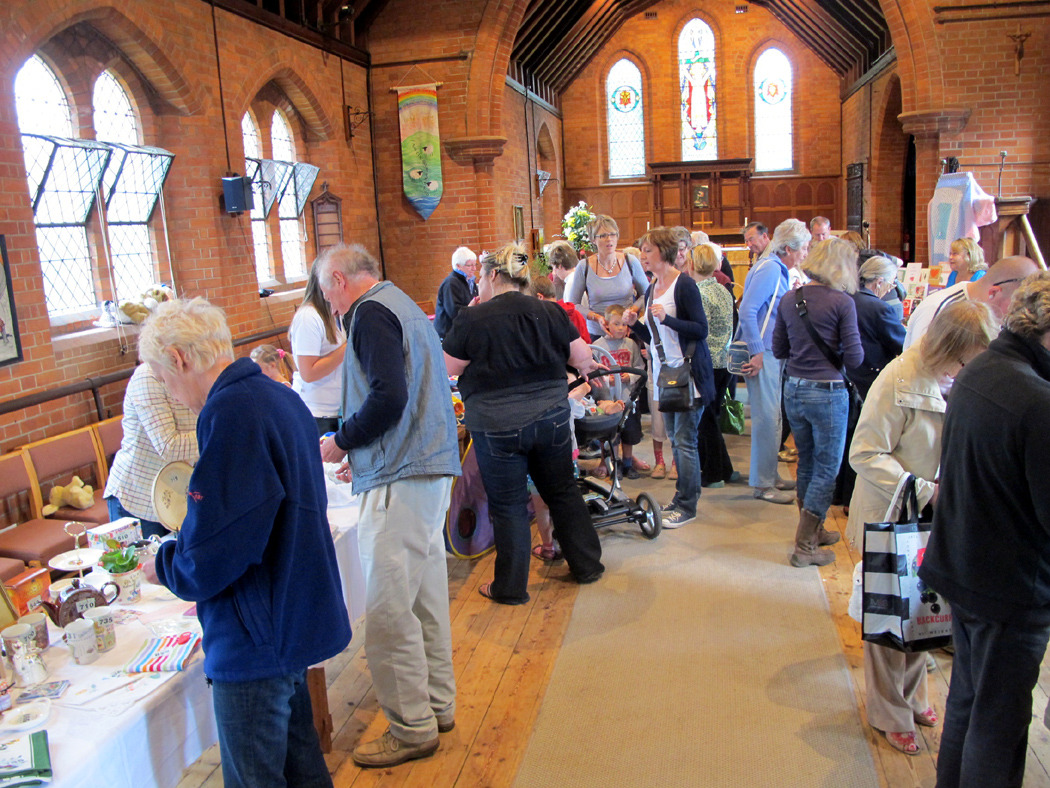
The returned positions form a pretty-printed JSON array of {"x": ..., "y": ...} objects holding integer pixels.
[
  {"x": 417, "y": 112},
  {"x": 165, "y": 654}
]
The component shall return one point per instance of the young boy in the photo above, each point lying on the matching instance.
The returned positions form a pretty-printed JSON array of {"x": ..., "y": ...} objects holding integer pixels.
[{"x": 626, "y": 353}]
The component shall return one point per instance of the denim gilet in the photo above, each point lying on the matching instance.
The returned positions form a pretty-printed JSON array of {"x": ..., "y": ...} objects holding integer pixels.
[{"x": 423, "y": 441}]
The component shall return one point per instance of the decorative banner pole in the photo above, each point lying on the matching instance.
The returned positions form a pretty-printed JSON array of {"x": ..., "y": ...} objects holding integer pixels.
[{"x": 417, "y": 112}]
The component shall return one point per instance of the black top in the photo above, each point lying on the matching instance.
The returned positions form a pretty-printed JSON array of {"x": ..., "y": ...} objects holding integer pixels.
[
  {"x": 881, "y": 336},
  {"x": 518, "y": 348},
  {"x": 381, "y": 352},
  {"x": 453, "y": 294},
  {"x": 989, "y": 550}
]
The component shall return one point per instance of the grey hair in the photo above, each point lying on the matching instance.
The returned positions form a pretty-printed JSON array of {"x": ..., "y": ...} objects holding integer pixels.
[
  {"x": 790, "y": 234},
  {"x": 875, "y": 267},
  {"x": 819, "y": 220},
  {"x": 196, "y": 328},
  {"x": 462, "y": 255},
  {"x": 700, "y": 237},
  {"x": 351, "y": 260}
]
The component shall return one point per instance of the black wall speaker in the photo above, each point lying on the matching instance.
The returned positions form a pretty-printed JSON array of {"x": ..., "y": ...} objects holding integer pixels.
[{"x": 237, "y": 194}]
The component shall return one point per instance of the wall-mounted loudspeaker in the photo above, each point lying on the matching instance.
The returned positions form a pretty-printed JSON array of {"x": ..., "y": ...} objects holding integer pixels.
[{"x": 237, "y": 194}]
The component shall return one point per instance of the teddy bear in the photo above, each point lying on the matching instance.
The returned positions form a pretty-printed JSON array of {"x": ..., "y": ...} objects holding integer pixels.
[{"x": 75, "y": 494}]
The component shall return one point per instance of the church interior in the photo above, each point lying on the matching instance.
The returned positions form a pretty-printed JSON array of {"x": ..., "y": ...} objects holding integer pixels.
[{"x": 843, "y": 108}]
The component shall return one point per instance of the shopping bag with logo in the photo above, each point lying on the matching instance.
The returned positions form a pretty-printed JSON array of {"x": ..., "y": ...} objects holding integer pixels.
[{"x": 900, "y": 610}]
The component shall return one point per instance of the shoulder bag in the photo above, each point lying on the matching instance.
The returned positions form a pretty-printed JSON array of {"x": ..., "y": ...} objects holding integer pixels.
[
  {"x": 674, "y": 384},
  {"x": 855, "y": 402},
  {"x": 738, "y": 352}
]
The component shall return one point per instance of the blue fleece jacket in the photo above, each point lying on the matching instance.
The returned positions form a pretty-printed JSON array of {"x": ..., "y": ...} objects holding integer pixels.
[{"x": 255, "y": 551}]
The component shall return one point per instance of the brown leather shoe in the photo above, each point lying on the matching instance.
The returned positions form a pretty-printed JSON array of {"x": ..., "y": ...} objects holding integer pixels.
[{"x": 388, "y": 750}]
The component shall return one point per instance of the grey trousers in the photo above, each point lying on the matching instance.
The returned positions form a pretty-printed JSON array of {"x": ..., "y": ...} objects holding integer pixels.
[
  {"x": 408, "y": 636},
  {"x": 896, "y": 687}
]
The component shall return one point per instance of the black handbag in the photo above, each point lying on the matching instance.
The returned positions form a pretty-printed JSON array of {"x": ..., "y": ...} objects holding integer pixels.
[
  {"x": 855, "y": 401},
  {"x": 674, "y": 384}
]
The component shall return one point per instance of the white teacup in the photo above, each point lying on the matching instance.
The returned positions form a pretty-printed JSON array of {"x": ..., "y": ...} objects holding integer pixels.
[
  {"x": 80, "y": 637},
  {"x": 38, "y": 621}
]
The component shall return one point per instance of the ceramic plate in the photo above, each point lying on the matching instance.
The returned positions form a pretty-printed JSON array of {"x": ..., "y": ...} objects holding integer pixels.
[
  {"x": 26, "y": 717},
  {"x": 169, "y": 493},
  {"x": 72, "y": 560}
]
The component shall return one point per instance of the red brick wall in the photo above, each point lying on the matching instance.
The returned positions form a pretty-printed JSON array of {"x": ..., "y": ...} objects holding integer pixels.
[
  {"x": 171, "y": 46},
  {"x": 740, "y": 39}
]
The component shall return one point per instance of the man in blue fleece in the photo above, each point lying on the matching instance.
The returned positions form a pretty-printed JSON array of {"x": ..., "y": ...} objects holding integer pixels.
[
  {"x": 255, "y": 551},
  {"x": 399, "y": 438}
]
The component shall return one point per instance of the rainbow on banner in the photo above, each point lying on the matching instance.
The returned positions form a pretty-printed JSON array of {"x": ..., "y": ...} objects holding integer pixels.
[{"x": 420, "y": 147}]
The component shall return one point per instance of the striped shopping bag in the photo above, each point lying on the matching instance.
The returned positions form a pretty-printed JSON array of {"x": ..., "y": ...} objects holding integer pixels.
[{"x": 900, "y": 610}]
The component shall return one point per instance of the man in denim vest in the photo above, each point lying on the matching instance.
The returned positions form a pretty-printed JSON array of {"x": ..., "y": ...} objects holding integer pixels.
[{"x": 399, "y": 440}]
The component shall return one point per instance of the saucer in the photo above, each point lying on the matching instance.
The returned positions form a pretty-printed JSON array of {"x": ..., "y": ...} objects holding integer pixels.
[
  {"x": 26, "y": 717},
  {"x": 169, "y": 493},
  {"x": 72, "y": 560}
]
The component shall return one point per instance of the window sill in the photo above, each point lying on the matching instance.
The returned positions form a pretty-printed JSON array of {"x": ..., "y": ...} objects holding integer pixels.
[{"x": 65, "y": 343}]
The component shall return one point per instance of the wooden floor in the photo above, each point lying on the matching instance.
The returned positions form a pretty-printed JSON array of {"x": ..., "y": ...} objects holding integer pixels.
[{"x": 503, "y": 658}]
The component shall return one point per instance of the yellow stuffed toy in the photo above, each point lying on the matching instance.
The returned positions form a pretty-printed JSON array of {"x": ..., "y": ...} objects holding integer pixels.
[{"x": 75, "y": 494}]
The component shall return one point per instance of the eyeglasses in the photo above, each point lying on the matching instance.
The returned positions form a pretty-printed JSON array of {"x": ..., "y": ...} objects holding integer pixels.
[
  {"x": 607, "y": 236},
  {"x": 1007, "y": 281}
]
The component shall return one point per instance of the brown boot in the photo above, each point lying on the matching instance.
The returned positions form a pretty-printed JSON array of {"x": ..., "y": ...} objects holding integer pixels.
[
  {"x": 824, "y": 536},
  {"x": 807, "y": 552}
]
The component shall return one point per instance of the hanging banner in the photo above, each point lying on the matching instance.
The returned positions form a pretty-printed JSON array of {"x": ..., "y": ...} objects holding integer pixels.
[{"x": 417, "y": 112}]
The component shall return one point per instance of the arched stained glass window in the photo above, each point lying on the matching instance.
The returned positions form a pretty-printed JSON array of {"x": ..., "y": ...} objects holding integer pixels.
[
  {"x": 696, "y": 82},
  {"x": 293, "y": 249},
  {"x": 626, "y": 120},
  {"x": 773, "y": 139},
  {"x": 252, "y": 154}
]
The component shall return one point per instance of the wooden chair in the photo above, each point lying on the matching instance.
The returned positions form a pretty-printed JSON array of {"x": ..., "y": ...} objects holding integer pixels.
[
  {"x": 56, "y": 460},
  {"x": 108, "y": 435},
  {"x": 427, "y": 307},
  {"x": 27, "y": 537}
]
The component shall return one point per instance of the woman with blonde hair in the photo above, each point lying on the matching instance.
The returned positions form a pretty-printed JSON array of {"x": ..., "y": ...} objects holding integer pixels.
[
  {"x": 274, "y": 362},
  {"x": 607, "y": 277},
  {"x": 966, "y": 261},
  {"x": 816, "y": 333},
  {"x": 510, "y": 352},
  {"x": 899, "y": 434}
]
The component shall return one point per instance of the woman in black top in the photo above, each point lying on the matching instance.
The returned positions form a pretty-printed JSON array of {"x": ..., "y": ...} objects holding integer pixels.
[{"x": 510, "y": 352}]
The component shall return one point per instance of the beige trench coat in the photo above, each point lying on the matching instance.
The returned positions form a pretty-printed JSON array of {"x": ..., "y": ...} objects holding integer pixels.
[{"x": 899, "y": 432}]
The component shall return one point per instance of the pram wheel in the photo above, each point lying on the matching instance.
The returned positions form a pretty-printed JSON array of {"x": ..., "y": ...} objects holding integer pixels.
[{"x": 651, "y": 523}]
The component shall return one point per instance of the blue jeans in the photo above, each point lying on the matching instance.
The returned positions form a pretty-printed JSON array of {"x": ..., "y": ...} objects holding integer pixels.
[
  {"x": 149, "y": 527},
  {"x": 266, "y": 734},
  {"x": 681, "y": 428},
  {"x": 989, "y": 707},
  {"x": 763, "y": 394},
  {"x": 818, "y": 419},
  {"x": 542, "y": 450}
]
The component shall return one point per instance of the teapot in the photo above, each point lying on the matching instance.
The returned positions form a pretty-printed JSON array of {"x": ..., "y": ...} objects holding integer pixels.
[{"x": 73, "y": 600}]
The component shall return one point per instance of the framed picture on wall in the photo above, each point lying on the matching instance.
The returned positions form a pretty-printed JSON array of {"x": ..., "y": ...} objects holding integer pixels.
[
  {"x": 702, "y": 197},
  {"x": 10, "y": 343},
  {"x": 519, "y": 223}
]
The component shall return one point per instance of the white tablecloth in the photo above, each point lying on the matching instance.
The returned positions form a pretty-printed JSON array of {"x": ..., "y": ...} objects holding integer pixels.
[{"x": 148, "y": 733}]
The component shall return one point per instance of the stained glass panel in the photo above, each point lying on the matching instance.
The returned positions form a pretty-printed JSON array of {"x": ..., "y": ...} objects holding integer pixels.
[
  {"x": 773, "y": 136},
  {"x": 696, "y": 82},
  {"x": 625, "y": 120}
]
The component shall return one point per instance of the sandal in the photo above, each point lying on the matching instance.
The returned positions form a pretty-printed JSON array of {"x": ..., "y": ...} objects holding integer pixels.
[
  {"x": 905, "y": 742},
  {"x": 642, "y": 465},
  {"x": 660, "y": 471},
  {"x": 674, "y": 472},
  {"x": 485, "y": 589},
  {"x": 928, "y": 718},
  {"x": 546, "y": 552}
]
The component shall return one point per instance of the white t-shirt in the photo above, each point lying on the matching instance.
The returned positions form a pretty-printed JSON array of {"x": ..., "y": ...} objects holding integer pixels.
[
  {"x": 308, "y": 338},
  {"x": 924, "y": 313},
  {"x": 669, "y": 337}
]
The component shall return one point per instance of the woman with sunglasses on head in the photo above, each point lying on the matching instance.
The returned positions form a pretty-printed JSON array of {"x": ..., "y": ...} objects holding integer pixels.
[{"x": 607, "y": 277}]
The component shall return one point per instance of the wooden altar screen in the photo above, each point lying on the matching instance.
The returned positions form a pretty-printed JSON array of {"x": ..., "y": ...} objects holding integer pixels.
[{"x": 713, "y": 196}]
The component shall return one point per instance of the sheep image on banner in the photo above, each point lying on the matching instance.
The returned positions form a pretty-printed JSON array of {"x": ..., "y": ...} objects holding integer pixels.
[{"x": 417, "y": 112}]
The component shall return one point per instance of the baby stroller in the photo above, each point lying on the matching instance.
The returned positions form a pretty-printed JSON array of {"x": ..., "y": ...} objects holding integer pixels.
[{"x": 607, "y": 503}]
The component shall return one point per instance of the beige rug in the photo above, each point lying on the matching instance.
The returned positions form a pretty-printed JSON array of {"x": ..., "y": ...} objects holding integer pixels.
[{"x": 701, "y": 659}]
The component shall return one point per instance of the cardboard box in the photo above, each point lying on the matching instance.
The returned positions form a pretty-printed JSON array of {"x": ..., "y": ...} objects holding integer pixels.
[
  {"x": 125, "y": 530},
  {"x": 27, "y": 589}
]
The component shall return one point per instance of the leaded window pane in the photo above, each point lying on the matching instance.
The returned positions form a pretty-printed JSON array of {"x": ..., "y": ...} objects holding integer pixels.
[
  {"x": 131, "y": 250},
  {"x": 773, "y": 136},
  {"x": 625, "y": 120},
  {"x": 696, "y": 81},
  {"x": 40, "y": 101},
  {"x": 139, "y": 177},
  {"x": 68, "y": 283},
  {"x": 274, "y": 178},
  {"x": 66, "y": 184},
  {"x": 281, "y": 138},
  {"x": 261, "y": 244},
  {"x": 292, "y": 247},
  {"x": 114, "y": 116},
  {"x": 305, "y": 175}
]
